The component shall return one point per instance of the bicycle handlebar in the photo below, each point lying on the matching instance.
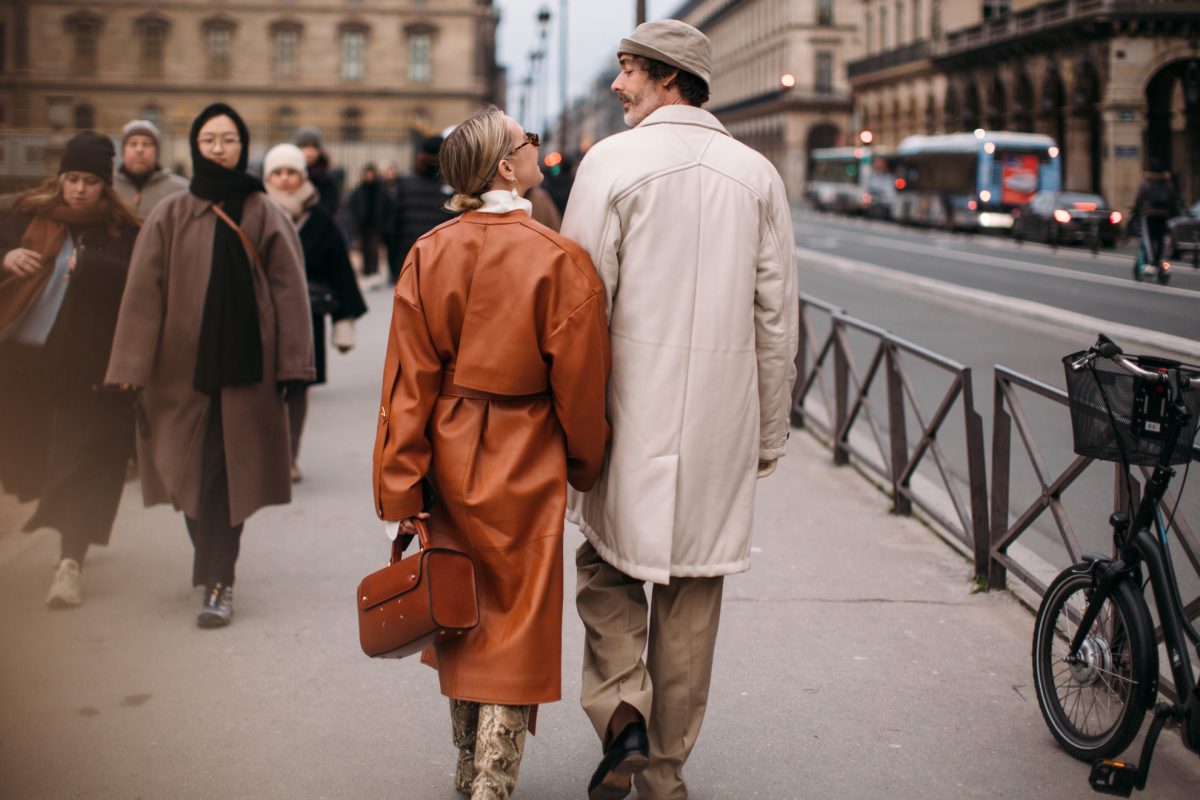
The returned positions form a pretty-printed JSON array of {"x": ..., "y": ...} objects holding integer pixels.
[{"x": 1109, "y": 349}]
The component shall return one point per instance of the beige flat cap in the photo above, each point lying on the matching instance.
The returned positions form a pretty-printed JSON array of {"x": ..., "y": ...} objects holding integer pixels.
[{"x": 672, "y": 42}]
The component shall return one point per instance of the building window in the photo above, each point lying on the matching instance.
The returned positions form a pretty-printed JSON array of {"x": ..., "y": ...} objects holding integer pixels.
[
  {"x": 85, "y": 117},
  {"x": 825, "y": 12},
  {"x": 352, "y": 125},
  {"x": 3, "y": 47},
  {"x": 84, "y": 29},
  {"x": 285, "y": 41},
  {"x": 218, "y": 47},
  {"x": 994, "y": 9},
  {"x": 152, "y": 113},
  {"x": 883, "y": 29},
  {"x": 899, "y": 24},
  {"x": 285, "y": 123},
  {"x": 916, "y": 20},
  {"x": 420, "y": 67},
  {"x": 870, "y": 22},
  {"x": 151, "y": 31},
  {"x": 824, "y": 73},
  {"x": 354, "y": 46}
]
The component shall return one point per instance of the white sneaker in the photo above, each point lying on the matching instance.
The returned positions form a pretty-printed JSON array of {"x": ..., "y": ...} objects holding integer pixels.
[{"x": 65, "y": 590}]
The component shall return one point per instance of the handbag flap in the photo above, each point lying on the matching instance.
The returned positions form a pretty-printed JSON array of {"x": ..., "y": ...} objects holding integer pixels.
[
  {"x": 392, "y": 581},
  {"x": 454, "y": 603}
]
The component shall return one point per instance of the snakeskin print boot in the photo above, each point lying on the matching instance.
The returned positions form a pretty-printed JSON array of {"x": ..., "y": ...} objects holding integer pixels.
[
  {"x": 499, "y": 745},
  {"x": 464, "y": 721}
]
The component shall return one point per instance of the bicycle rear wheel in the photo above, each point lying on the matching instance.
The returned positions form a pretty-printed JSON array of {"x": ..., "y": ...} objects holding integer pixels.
[{"x": 1094, "y": 703}]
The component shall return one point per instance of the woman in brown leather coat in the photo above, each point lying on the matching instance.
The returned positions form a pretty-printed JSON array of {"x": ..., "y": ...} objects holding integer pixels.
[{"x": 493, "y": 396}]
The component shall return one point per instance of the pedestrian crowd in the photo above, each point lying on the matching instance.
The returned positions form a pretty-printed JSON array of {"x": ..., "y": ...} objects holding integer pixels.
[{"x": 625, "y": 364}]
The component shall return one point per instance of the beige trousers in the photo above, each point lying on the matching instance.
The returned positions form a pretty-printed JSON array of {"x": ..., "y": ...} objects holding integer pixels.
[{"x": 677, "y": 630}]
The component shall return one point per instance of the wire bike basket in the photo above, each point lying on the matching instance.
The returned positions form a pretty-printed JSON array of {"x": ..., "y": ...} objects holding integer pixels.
[{"x": 1118, "y": 416}]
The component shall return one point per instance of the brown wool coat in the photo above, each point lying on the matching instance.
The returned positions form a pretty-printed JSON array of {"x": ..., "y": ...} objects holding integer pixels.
[
  {"x": 499, "y": 306},
  {"x": 155, "y": 347}
]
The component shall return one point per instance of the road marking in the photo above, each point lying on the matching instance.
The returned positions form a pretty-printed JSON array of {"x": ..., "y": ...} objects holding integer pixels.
[
  {"x": 1188, "y": 348},
  {"x": 1023, "y": 266}
]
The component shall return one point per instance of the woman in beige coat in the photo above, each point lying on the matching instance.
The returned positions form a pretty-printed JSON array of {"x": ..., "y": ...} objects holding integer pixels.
[{"x": 213, "y": 330}]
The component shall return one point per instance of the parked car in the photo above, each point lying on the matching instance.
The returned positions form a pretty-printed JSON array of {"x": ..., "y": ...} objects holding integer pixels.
[
  {"x": 1058, "y": 217},
  {"x": 1183, "y": 235}
]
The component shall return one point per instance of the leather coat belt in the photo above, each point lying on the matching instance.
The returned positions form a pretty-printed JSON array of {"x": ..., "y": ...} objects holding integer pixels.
[{"x": 452, "y": 389}]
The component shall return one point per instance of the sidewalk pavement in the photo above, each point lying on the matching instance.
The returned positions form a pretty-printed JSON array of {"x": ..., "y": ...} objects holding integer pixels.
[{"x": 854, "y": 661}]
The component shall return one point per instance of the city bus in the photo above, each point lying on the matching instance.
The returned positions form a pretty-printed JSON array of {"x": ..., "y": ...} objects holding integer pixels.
[
  {"x": 971, "y": 181},
  {"x": 845, "y": 179}
]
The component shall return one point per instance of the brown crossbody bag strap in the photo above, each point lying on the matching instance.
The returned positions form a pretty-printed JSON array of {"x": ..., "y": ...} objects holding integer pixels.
[{"x": 249, "y": 245}]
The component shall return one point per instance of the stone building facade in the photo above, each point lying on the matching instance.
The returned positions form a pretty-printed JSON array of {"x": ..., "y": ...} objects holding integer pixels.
[
  {"x": 1115, "y": 82},
  {"x": 363, "y": 71},
  {"x": 779, "y": 74}
]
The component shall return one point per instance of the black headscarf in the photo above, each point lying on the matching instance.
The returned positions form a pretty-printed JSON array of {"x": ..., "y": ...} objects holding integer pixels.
[{"x": 230, "y": 350}]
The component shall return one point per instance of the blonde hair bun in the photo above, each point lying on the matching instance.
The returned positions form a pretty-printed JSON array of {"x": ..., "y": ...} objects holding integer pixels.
[
  {"x": 464, "y": 202},
  {"x": 471, "y": 154}
]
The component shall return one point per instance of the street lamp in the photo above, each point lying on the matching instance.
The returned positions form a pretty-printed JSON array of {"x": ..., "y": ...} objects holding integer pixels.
[
  {"x": 543, "y": 18},
  {"x": 640, "y": 10}
]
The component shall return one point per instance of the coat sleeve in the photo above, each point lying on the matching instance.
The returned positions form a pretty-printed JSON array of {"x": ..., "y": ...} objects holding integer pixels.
[
  {"x": 283, "y": 263},
  {"x": 580, "y": 358},
  {"x": 335, "y": 270},
  {"x": 143, "y": 305},
  {"x": 592, "y": 222},
  {"x": 412, "y": 381},
  {"x": 776, "y": 324}
]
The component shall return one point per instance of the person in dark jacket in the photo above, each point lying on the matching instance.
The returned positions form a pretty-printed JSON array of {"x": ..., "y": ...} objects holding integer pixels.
[
  {"x": 366, "y": 209},
  {"x": 333, "y": 291},
  {"x": 417, "y": 207},
  {"x": 1156, "y": 202},
  {"x": 63, "y": 437},
  {"x": 319, "y": 172}
]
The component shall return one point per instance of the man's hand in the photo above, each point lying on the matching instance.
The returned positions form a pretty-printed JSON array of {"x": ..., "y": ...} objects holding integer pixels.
[
  {"x": 765, "y": 468},
  {"x": 22, "y": 262}
]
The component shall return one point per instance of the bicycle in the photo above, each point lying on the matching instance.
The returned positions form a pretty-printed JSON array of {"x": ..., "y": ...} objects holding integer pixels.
[
  {"x": 1141, "y": 263},
  {"x": 1095, "y": 659}
]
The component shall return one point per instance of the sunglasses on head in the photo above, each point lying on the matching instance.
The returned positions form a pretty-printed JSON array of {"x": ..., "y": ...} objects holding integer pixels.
[{"x": 530, "y": 138}]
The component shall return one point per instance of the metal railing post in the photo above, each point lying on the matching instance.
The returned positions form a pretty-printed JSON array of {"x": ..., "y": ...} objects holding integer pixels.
[
  {"x": 1001, "y": 464},
  {"x": 801, "y": 362},
  {"x": 897, "y": 431},
  {"x": 841, "y": 389},
  {"x": 981, "y": 533}
]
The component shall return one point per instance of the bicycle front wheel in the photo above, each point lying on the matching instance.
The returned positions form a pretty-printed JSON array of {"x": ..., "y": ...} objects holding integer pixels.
[{"x": 1094, "y": 701}]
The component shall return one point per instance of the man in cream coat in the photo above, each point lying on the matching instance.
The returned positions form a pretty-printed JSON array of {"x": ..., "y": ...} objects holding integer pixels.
[{"x": 691, "y": 234}]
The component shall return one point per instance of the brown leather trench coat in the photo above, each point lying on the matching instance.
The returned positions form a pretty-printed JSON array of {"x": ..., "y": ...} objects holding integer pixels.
[{"x": 493, "y": 389}]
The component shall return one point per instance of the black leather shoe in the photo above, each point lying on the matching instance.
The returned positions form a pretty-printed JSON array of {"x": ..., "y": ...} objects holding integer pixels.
[
  {"x": 627, "y": 755},
  {"x": 216, "y": 611}
]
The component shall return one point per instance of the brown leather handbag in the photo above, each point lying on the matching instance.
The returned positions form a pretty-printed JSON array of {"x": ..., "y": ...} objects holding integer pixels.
[{"x": 416, "y": 601}]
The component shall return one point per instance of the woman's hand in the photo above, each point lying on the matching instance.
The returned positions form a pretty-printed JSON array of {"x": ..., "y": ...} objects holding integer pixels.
[
  {"x": 343, "y": 335},
  {"x": 408, "y": 527},
  {"x": 23, "y": 263}
]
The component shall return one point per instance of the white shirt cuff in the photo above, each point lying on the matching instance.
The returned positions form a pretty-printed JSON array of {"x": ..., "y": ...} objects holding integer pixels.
[{"x": 392, "y": 529}]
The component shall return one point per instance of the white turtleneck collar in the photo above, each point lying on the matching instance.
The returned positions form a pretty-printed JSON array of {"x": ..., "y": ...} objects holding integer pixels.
[{"x": 501, "y": 201}]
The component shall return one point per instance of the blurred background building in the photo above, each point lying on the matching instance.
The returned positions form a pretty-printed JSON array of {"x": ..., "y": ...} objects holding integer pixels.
[
  {"x": 1115, "y": 82},
  {"x": 370, "y": 74}
]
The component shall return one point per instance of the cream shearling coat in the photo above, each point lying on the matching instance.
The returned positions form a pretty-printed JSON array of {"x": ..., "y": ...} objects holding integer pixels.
[{"x": 691, "y": 233}]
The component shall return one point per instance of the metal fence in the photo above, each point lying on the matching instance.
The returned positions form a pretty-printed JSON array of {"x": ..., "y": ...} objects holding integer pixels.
[{"x": 827, "y": 364}]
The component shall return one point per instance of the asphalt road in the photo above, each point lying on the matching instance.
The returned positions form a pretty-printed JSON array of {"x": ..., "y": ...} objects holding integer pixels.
[
  {"x": 1067, "y": 278},
  {"x": 836, "y": 260}
]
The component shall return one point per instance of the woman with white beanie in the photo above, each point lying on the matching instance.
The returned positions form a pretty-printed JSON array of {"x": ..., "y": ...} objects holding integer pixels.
[{"x": 333, "y": 290}]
